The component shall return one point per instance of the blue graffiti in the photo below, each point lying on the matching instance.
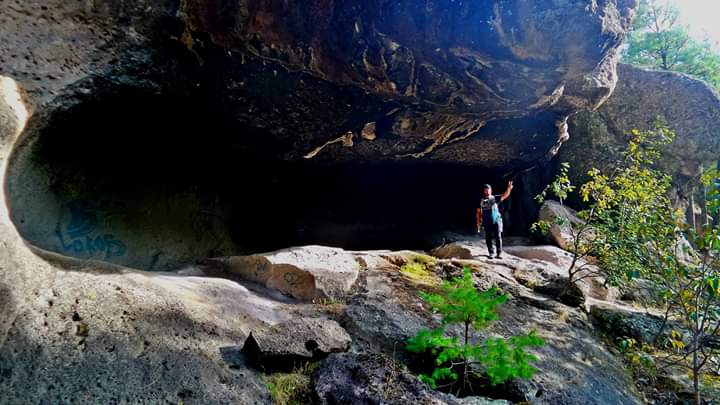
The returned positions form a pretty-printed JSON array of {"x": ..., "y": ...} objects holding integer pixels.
[
  {"x": 77, "y": 237},
  {"x": 82, "y": 220},
  {"x": 106, "y": 244}
]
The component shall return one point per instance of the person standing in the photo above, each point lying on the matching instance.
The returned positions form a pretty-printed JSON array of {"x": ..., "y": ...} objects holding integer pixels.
[{"x": 488, "y": 217}]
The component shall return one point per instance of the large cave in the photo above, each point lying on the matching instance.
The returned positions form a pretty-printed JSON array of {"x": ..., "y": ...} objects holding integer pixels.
[
  {"x": 155, "y": 181},
  {"x": 186, "y": 130}
]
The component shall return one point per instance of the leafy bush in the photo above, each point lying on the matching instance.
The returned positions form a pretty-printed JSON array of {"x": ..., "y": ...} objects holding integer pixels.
[
  {"x": 639, "y": 357},
  {"x": 583, "y": 241},
  {"x": 638, "y": 234},
  {"x": 460, "y": 303},
  {"x": 626, "y": 209}
]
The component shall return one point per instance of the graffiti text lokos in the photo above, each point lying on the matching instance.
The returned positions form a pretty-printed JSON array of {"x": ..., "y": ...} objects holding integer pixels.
[{"x": 79, "y": 236}]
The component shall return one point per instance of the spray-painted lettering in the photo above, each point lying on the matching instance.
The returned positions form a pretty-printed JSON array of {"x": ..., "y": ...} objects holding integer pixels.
[
  {"x": 105, "y": 245},
  {"x": 79, "y": 236}
]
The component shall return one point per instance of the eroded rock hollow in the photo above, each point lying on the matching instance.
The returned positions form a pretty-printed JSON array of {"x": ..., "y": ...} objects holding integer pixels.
[
  {"x": 182, "y": 136},
  {"x": 171, "y": 132}
]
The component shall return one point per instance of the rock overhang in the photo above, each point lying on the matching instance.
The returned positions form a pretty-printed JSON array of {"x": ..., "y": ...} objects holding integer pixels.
[{"x": 380, "y": 87}]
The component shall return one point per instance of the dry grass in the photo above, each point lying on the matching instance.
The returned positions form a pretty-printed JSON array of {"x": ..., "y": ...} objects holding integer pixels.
[
  {"x": 291, "y": 388},
  {"x": 418, "y": 269}
]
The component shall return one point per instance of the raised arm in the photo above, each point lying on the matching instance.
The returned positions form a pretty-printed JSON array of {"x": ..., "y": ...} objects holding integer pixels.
[
  {"x": 504, "y": 196},
  {"x": 478, "y": 218}
]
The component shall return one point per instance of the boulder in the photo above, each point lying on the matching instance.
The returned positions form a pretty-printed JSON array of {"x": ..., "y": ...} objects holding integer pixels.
[
  {"x": 562, "y": 219},
  {"x": 689, "y": 106},
  {"x": 642, "y": 292},
  {"x": 290, "y": 344},
  {"x": 642, "y": 326},
  {"x": 306, "y": 273},
  {"x": 560, "y": 289},
  {"x": 624, "y": 322},
  {"x": 452, "y": 251},
  {"x": 377, "y": 379},
  {"x": 555, "y": 263}
]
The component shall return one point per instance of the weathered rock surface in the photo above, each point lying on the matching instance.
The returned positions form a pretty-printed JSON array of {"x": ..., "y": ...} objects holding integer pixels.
[
  {"x": 562, "y": 219},
  {"x": 385, "y": 311},
  {"x": 573, "y": 369},
  {"x": 268, "y": 95},
  {"x": 377, "y": 379},
  {"x": 689, "y": 106},
  {"x": 423, "y": 74},
  {"x": 452, "y": 251},
  {"x": 641, "y": 326},
  {"x": 100, "y": 336},
  {"x": 306, "y": 273},
  {"x": 539, "y": 268},
  {"x": 289, "y": 344},
  {"x": 641, "y": 292}
]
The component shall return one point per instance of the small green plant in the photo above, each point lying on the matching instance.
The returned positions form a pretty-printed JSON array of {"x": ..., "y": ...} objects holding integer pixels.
[
  {"x": 582, "y": 241},
  {"x": 500, "y": 359},
  {"x": 291, "y": 388},
  {"x": 622, "y": 208},
  {"x": 640, "y": 358}
]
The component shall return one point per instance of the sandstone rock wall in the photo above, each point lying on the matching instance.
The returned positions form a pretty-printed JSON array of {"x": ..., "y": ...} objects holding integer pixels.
[
  {"x": 690, "y": 107},
  {"x": 163, "y": 132}
]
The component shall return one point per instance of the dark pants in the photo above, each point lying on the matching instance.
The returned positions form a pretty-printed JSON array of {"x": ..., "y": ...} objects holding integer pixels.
[{"x": 493, "y": 231}]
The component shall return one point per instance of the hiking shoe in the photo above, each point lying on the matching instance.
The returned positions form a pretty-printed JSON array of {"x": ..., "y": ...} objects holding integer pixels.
[{"x": 499, "y": 256}]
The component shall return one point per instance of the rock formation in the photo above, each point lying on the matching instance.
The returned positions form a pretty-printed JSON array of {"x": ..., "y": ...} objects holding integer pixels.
[
  {"x": 688, "y": 106},
  {"x": 306, "y": 273},
  {"x": 180, "y": 130},
  {"x": 290, "y": 344},
  {"x": 138, "y": 140}
]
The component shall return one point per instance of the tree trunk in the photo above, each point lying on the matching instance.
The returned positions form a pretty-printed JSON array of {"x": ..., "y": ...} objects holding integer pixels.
[
  {"x": 466, "y": 383},
  {"x": 690, "y": 213},
  {"x": 716, "y": 214},
  {"x": 703, "y": 209},
  {"x": 696, "y": 378}
]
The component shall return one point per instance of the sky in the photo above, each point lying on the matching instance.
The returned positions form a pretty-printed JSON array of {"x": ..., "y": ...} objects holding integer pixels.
[{"x": 702, "y": 17}]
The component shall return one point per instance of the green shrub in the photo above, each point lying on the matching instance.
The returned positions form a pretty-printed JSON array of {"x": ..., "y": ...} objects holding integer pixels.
[{"x": 460, "y": 303}]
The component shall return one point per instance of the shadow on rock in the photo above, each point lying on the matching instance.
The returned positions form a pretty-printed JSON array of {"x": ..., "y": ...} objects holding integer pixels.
[{"x": 171, "y": 362}]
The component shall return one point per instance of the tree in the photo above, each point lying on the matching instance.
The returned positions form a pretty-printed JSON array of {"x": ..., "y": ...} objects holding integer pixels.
[
  {"x": 631, "y": 205},
  {"x": 460, "y": 303},
  {"x": 618, "y": 207},
  {"x": 657, "y": 40},
  {"x": 583, "y": 241},
  {"x": 690, "y": 281},
  {"x": 642, "y": 236}
]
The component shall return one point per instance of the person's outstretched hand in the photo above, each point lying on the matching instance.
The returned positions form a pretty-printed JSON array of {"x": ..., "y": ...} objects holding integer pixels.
[{"x": 510, "y": 185}]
